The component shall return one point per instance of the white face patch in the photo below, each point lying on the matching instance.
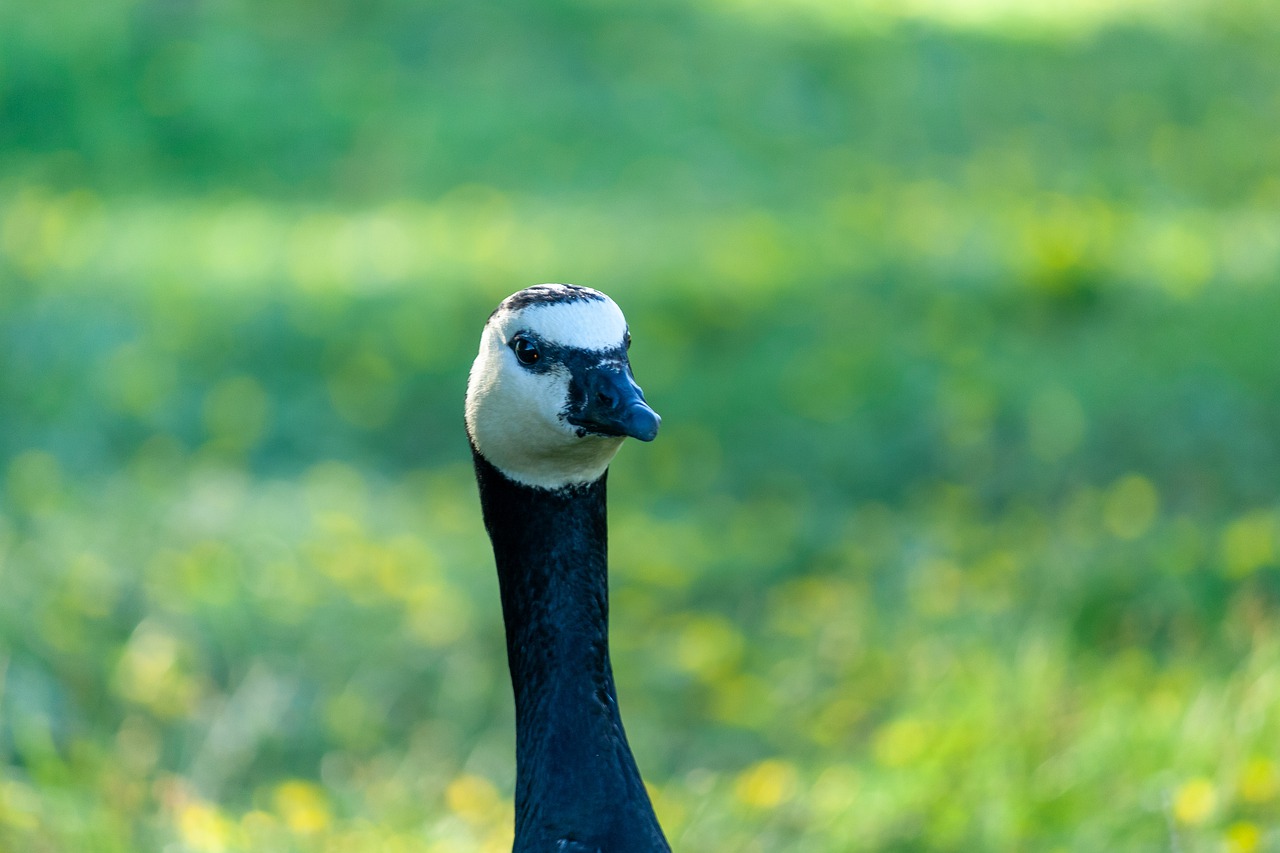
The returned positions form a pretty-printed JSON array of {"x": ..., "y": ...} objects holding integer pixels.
[
  {"x": 588, "y": 324},
  {"x": 515, "y": 416}
]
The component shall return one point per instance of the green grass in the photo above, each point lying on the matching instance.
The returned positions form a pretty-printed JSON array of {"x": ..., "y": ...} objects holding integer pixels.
[{"x": 962, "y": 531}]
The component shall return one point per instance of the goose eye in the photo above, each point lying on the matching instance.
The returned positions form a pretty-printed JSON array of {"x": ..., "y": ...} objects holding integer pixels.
[
  {"x": 526, "y": 351},
  {"x": 627, "y": 341}
]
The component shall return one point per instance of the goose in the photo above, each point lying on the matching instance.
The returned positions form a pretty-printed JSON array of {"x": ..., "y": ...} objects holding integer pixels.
[{"x": 549, "y": 401}]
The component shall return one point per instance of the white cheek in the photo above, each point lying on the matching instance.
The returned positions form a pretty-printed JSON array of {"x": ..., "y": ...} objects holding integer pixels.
[{"x": 535, "y": 399}]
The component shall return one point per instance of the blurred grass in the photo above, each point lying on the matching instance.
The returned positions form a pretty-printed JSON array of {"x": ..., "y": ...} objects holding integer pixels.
[{"x": 962, "y": 531}]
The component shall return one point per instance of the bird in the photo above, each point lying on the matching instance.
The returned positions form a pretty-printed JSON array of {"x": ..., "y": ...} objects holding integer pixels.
[{"x": 550, "y": 399}]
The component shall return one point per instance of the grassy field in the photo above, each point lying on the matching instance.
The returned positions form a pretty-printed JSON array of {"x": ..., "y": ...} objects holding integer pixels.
[{"x": 962, "y": 532}]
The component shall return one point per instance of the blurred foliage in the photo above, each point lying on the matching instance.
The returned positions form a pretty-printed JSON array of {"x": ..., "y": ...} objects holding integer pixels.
[{"x": 962, "y": 532}]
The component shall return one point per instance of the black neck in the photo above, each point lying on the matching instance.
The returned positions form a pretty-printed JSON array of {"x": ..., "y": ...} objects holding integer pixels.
[{"x": 576, "y": 779}]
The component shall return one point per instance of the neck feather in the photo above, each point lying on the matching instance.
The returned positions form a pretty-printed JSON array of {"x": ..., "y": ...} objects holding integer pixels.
[{"x": 576, "y": 778}]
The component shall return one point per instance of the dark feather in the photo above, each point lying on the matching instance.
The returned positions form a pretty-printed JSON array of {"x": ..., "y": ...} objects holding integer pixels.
[{"x": 576, "y": 780}]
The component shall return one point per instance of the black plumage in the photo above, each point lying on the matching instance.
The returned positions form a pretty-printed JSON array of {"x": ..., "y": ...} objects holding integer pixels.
[
  {"x": 548, "y": 294},
  {"x": 577, "y": 785}
]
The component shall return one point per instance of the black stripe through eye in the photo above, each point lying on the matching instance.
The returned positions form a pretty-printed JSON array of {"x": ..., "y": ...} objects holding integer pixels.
[{"x": 538, "y": 356}]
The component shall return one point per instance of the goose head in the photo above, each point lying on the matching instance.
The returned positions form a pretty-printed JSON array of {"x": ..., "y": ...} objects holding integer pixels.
[{"x": 551, "y": 397}]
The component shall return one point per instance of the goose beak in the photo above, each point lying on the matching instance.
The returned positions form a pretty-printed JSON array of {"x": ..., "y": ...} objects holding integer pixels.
[{"x": 612, "y": 404}]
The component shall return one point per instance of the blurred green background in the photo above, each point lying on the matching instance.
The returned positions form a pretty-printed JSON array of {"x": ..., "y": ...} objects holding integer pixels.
[{"x": 962, "y": 530}]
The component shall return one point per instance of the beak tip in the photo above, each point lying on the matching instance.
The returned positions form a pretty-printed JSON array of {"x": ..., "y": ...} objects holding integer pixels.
[{"x": 644, "y": 422}]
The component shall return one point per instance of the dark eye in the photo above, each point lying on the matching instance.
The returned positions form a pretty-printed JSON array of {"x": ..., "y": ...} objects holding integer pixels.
[
  {"x": 627, "y": 341},
  {"x": 526, "y": 351}
]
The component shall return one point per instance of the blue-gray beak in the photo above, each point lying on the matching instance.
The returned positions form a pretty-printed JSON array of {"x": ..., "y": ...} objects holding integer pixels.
[{"x": 607, "y": 401}]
